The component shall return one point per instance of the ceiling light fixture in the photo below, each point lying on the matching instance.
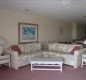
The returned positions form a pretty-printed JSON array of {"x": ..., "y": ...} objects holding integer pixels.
[
  {"x": 66, "y": 2},
  {"x": 27, "y": 10}
]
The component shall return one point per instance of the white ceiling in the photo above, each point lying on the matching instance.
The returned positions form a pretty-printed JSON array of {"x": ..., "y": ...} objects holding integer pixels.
[{"x": 74, "y": 11}]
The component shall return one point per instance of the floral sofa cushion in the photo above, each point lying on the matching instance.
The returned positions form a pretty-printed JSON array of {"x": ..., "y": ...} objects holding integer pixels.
[
  {"x": 61, "y": 47},
  {"x": 52, "y": 46},
  {"x": 57, "y": 47},
  {"x": 22, "y": 56},
  {"x": 29, "y": 47},
  {"x": 70, "y": 47},
  {"x": 37, "y": 46},
  {"x": 68, "y": 58},
  {"x": 33, "y": 47},
  {"x": 22, "y": 47},
  {"x": 36, "y": 53},
  {"x": 51, "y": 53}
]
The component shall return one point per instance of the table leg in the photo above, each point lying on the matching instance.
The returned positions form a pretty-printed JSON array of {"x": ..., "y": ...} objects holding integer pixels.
[
  {"x": 31, "y": 66},
  {"x": 61, "y": 66},
  {"x": 9, "y": 65},
  {"x": 82, "y": 64}
]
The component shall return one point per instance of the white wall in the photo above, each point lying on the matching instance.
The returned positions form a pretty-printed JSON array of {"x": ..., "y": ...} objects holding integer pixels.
[
  {"x": 78, "y": 31},
  {"x": 48, "y": 29},
  {"x": 74, "y": 31}
]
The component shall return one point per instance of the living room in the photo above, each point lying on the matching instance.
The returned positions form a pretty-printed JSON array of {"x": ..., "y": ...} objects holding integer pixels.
[{"x": 49, "y": 29}]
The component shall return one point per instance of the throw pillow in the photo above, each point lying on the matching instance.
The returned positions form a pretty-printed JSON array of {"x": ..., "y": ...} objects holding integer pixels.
[
  {"x": 1, "y": 50},
  {"x": 16, "y": 48},
  {"x": 74, "y": 49}
]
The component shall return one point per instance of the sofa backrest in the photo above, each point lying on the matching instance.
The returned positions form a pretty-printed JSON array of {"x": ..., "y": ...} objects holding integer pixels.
[
  {"x": 22, "y": 47},
  {"x": 62, "y": 47},
  {"x": 52, "y": 46},
  {"x": 30, "y": 47}
]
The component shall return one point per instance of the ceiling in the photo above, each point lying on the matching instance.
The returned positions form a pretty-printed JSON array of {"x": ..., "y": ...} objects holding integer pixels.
[{"x": 68, "y": 10}]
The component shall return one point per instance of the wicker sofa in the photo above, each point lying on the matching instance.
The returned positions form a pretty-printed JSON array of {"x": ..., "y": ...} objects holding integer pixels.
[{"x": 32, "y": 50}]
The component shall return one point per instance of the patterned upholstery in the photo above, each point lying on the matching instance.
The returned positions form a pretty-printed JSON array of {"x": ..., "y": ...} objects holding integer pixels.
[
  {"x": 61, "y": 47},
  {"x": 52, "y": 46},
  {"x": 21, "y": 46},
  {"x": 54, "y": 50},
  {"x": 61, "y": 50}
]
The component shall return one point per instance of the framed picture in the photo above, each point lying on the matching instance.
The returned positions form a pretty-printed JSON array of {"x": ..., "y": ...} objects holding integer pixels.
[
  {"x": 27, "y": 32},
  {"x": 61, "y": 30}
]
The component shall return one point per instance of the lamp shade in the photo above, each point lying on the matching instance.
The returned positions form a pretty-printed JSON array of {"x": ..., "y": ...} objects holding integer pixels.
[{"x": 84, "y": 42}]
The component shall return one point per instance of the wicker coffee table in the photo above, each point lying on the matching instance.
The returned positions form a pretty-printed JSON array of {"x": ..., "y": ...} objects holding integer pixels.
[{"x": 40, "y": 63}]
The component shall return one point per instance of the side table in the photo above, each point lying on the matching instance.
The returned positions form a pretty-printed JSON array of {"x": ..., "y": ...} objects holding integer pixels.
[
  {"x": 5, "y": 59},
  {"x": 83, "y": 59}
]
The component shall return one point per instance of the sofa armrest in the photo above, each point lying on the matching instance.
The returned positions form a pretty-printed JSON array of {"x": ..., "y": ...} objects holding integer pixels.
[
  {"x": 14, "y": 58},
  {"x": 78, "y": 57},
  {"x": 11, "y": 52}
]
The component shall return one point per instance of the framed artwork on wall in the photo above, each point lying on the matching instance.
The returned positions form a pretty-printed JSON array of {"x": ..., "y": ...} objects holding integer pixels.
[
  {"x": 61, "y": 30},
  {"x": 27, "y": 32}
]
